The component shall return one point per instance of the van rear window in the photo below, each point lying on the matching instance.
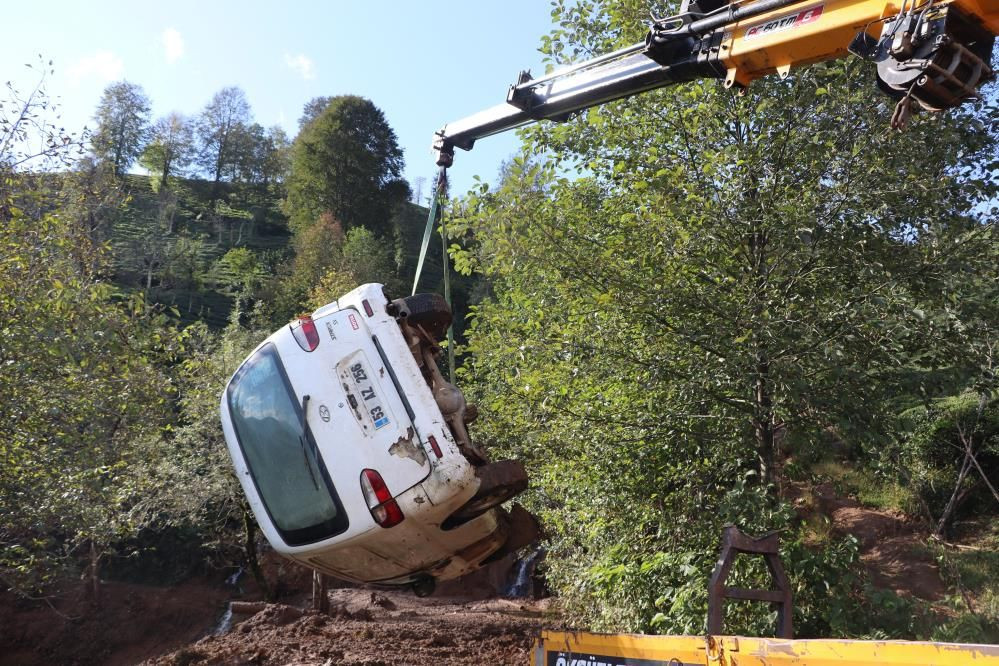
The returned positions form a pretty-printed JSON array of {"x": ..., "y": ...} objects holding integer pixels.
[{"x": 284, "y": 462}]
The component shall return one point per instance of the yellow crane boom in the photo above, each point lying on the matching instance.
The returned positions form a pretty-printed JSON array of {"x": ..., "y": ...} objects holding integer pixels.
[{"x": 935, "y": 53}]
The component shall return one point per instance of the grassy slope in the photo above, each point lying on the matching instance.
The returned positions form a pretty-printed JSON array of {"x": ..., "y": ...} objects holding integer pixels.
[{"x": 254, "y": 221}]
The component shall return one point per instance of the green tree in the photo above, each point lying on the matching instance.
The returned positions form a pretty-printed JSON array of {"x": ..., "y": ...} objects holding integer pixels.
[
  {"x": 726, "y": 281},
  {"x": 192, "y": 453},
  {"x": 346, "y": 163},
  {"x": 218, "y": 129},
  {"x": 80, "y": 381},
  {"x": 186, "y": 266},
  {"x": 93, "y": 197},
  {"x": 30, "y": 135},
  {"x": 122, "y": 118},
  {"x": 273, "y": 156},
  {"x": 312, "y": 109},
  {"x": 170, "y": 149},
  {"x": 239, "y": 272},
  {"x": 360, "y": 258},
  {"x": 261, "y": 155}
]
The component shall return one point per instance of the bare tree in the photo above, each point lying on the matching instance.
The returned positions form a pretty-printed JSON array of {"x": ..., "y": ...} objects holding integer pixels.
[{"x": 29, "y": 135}]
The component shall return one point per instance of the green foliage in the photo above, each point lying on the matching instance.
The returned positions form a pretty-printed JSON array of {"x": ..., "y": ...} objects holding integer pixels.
[
  {"x": 360, "y": 257},
  {"x": 30, "y": 132},
  {"x": 934, "y": 450},
  {"x": 81, "y": 380},
  {"x": 868, "y": 486},
  {"x": 170, "y": 149},
  {"x": 721, "y": 270},
  {"x": 346, "y": 163},
  {"x": 219, "y": 128},
  {"x": 191, "y": 486},
  {"x": 122, "y": 125},
  {"x": 239, "y": 272},
  {"x": 967, "y": 627}
]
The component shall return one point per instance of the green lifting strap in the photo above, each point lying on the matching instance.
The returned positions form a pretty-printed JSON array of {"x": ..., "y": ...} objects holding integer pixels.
[
  {"x": 434, "y": 207},
  {"x": 440, "y": 188}
]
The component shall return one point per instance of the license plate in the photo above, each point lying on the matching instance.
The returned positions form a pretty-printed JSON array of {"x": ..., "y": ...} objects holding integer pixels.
[{"x": 356, "y": 377}]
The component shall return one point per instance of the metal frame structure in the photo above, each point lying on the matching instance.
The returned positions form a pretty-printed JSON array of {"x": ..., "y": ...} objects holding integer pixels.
[{"x": 734, "y": 543}]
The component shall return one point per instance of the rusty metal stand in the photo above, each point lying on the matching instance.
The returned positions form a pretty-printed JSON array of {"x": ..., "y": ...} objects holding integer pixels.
[{"x": 733, "y": 543}]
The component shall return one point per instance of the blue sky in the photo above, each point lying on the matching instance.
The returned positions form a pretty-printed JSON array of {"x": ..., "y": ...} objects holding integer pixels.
[{"x": 423, "y": 63}]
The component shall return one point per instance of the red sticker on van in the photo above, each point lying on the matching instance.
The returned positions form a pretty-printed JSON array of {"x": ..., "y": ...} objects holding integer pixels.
[{"x": 353, "y": 322}]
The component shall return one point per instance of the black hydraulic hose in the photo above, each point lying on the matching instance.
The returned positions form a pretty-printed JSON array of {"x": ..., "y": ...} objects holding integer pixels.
[{"x": 705, "y": 25}]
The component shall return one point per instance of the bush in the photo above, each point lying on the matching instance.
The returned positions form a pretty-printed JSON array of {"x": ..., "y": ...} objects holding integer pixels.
[{"x": 933, "y": 450}]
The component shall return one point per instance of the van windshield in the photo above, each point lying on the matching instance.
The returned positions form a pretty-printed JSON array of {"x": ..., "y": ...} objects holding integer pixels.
[{"x": 286, "y": 467}]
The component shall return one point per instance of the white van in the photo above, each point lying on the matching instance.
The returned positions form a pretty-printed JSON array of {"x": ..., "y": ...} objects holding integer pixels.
[{"x": 353, "y": 450}]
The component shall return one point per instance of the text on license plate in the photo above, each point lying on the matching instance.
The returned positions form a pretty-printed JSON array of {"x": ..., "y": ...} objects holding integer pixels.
[{"x": 363, "y": 398}]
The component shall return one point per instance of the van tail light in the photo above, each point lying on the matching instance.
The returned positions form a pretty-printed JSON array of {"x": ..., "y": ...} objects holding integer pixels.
[
  {"x": 306, "y": 335},
  {"x": 367, "y": 308},
  {"x": 384, "y": 509},
  {"x": 433, "y": 444}
]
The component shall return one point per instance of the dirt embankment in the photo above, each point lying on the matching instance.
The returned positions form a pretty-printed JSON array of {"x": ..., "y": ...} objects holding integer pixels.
[
  {"x": 891, "y": 545},
  {"x": 131, "y": 623}
]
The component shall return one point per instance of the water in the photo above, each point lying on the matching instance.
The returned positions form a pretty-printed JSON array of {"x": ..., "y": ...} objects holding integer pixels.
[
  {"x": 225, "y": 623},
  {"x": 521, "y": 585},
  {"x": 234, "y": 578}
]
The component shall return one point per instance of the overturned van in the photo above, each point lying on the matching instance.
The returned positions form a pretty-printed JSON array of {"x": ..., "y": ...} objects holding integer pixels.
[{"x": 354, "y": 453}]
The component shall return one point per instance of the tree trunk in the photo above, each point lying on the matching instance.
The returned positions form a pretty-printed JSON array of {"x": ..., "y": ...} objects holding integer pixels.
[
  {"x": 250, "y": 546},
  {"x": 166, "y": 172},
  {"x": 320, "y": 592},
  {"x": 763, "y": 424},
  {"x": 94, "y": 574},
  {"x": 956, "y": 498},
  {"x": 763, "y": 417}
]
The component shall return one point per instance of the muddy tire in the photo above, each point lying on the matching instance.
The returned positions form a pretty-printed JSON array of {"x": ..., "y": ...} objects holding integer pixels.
[
  {"x": 498, "y": 482},
  {"x": 429, "y": 311},
  {"x": 424, "y": 586}
]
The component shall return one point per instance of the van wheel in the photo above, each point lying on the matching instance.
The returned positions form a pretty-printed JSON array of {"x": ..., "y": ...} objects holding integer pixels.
[
  {"x": 429, "y": 311},
  {"x": 498, "y": 482},
  {"x": 424, "y": 586}
]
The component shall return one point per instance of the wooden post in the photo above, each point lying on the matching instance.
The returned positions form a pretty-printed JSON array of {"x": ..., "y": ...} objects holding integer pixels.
[
  {"x": 320, "y": 592},
  {"x": 733, "y": 543}
]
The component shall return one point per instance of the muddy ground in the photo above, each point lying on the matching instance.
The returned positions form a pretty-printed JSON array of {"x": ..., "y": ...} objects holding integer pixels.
[
  {"x": 467, "y": 621},
  {"x": 372, "y": 628}
]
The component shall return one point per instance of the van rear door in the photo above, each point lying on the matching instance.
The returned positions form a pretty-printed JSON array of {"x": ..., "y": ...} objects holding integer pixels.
[{"x": 355, "y": 412}]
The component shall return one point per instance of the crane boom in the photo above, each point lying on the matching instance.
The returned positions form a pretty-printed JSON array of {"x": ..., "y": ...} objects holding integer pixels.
[{"x": 932, "y": 52}]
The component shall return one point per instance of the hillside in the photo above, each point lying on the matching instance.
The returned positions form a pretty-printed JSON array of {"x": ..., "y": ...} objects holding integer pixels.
[{"x": 167, "y": 243}]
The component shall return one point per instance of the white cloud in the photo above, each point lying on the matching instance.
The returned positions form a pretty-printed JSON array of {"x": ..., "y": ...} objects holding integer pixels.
[
  {"x": 103, "y": 65},
  {"x": 302, "y": 64},
  {"x": 173, "y": 45}
]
